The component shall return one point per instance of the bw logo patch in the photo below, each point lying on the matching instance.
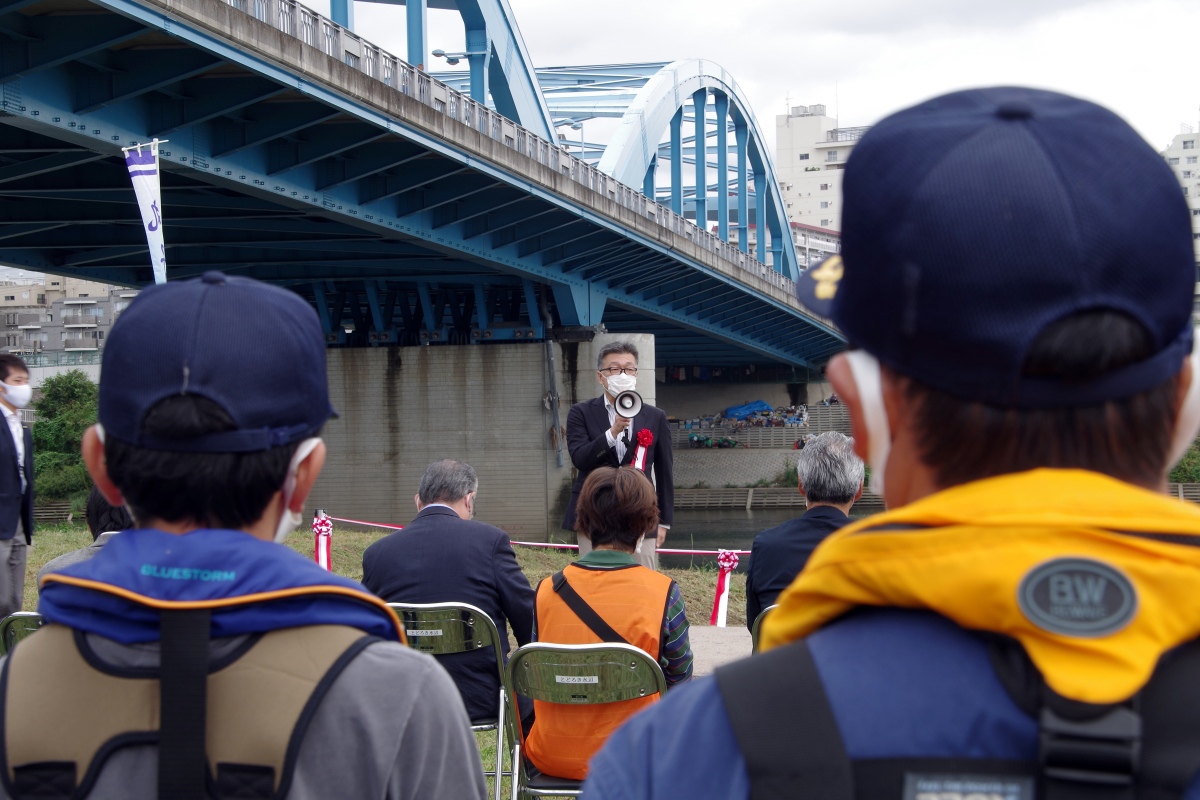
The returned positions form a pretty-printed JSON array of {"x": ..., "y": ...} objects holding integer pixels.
[{"x": 1077, "y": 597}]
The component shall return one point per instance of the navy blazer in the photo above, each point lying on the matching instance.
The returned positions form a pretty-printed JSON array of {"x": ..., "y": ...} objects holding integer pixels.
[
  {"x": 778, "y": 554},
  {"x": 441, "y": 558},
  {"x": 587, "y": 423},
  {"x": 15, "y": 506}
]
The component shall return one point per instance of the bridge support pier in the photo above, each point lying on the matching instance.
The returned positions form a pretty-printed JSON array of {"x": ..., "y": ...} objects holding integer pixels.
[
  {"x": 700, "y": 106},
  {"x": 722, "y": 103},
  {"x": 741, "y": 135},
  {"x": 403, "y": 407}
]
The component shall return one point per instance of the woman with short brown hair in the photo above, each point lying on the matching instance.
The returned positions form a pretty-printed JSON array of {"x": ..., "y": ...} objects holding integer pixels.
[{"x": 617, "y": 507}]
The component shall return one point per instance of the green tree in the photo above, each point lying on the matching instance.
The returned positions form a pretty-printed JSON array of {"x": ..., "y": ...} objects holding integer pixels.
[
  {"x": 1188, "y": 470},
  {"x": 66, "y": 409}
]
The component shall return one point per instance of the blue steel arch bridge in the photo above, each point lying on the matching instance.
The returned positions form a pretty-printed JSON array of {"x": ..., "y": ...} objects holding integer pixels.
[{"x": 407, "y": 209}]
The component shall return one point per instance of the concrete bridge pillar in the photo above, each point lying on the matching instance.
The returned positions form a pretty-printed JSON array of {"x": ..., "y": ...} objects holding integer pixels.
[{"x": 402, "y": 407}]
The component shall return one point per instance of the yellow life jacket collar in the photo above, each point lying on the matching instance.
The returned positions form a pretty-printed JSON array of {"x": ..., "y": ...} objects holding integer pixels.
[{"x": 1094, "y": 577}]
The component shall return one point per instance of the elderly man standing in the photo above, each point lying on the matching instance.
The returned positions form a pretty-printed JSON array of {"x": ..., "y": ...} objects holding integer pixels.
[
  {"x": 443, "y": 556},
  {"x": 831, "y": 480}
]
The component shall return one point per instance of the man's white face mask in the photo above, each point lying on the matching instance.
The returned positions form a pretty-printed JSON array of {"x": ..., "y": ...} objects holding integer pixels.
[
  {"x": 290, "y": 520},
  {"x": 621, "y": 383},
  {"x": 865, "y": 369}
]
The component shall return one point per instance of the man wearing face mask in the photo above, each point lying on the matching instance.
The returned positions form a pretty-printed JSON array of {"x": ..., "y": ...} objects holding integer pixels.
[
  {"x": 444, "y": 556},
  {"x": 196, "y": 655},
  {"x": 597, "y": 436},
  {"x": 16, "y": 483},
  {"x": 1017, "y": 276}
]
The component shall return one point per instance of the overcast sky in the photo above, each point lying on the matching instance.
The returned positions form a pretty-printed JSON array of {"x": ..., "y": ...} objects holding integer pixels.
[{"x": 866, "y": 58}]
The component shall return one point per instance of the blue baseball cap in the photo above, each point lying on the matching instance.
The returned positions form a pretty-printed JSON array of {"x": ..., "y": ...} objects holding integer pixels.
[
  {"x": 255, "y": 350},
  {"x": 974, "y": 220}
]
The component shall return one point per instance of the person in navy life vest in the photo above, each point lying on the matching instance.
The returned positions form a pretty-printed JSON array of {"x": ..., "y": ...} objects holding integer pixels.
[
  {"x": 831, "y": 480},
  {"x": 207, "y": 657},
  {"x": 1016, "y": 281},
  {"x": 16, "y": 483},
  {"x": 597, "y": 436}
]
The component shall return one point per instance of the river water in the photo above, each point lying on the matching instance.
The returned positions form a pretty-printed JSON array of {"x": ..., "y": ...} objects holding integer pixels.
[{"x": 719, "y": 528}]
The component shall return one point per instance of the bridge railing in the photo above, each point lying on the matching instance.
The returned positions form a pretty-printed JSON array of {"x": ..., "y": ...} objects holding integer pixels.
[{"x": 296, "y": 20}]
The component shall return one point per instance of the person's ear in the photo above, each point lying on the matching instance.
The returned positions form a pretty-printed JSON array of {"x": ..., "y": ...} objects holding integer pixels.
[
  {"x": 841, "y": 378},
  {"x": 858, "y": 495},
  {"x": 93, "y": 458},
  {"x": 307, "y": 472},
  {"x": 800, "y": 486},
  {"x": 417, "y": 502}
]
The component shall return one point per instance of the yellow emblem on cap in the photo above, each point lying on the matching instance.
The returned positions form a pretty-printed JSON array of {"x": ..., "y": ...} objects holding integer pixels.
[{"x": 827, "y": 276}]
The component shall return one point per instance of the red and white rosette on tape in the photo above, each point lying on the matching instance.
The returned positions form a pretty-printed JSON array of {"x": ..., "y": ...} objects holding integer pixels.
[
  {"x": 323, "y": 538},
  {"x": 645, "y": 439},
  {"x": 727, "y": 561}
]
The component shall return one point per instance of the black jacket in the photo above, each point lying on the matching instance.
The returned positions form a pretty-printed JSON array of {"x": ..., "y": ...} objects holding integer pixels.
[
  {"x": 586, "y": 439},
  {"x": 442, "y": 558},
  {"x": 14, "y": 505},
  {"x": 778, "y": 554}
]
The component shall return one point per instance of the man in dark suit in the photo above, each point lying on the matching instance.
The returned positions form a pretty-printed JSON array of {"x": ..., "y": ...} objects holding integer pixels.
[
  {"x": 598, "y": 436},
  {"x": 443, "y": 556},
  {"x": 831, "y": 480},
  {"x": 16, "y": 483}
]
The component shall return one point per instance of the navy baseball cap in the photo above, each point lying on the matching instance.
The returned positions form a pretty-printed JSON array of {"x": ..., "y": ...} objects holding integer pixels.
[
  {"x": 974, "y": 220},
  {"x": 255, "y": 350}
]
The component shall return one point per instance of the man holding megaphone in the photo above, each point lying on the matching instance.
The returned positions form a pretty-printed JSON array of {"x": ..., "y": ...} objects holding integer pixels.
[{"x": 616, "y": 429}]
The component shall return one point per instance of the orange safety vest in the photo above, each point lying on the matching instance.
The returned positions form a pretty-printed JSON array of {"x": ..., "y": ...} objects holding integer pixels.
[{"x": 632, "y": 600}]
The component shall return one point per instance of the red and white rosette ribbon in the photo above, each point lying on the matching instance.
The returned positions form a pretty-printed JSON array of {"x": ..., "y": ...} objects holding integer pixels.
[
  {"x": 323, "y": 538},
  {"x": 727, "y": 561},
  {"x": 645, "y": 438}
]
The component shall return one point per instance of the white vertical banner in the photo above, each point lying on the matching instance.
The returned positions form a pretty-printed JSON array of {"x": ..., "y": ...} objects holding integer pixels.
[{"x": 142, "y": 162}]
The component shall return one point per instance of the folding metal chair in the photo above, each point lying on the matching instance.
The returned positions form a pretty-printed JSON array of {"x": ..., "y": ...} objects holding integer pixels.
[
  {"x": 573, "y": 674},
  {"x": 444, "y": 628},
  {"x": 758, "y": 621},
  {"x": 16, "y": 627}
]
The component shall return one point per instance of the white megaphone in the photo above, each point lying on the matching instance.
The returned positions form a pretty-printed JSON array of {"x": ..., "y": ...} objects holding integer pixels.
[{"x": 628, "y": 404}]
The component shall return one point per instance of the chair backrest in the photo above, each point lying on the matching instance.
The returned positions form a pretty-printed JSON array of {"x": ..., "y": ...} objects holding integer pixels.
[
  {"x": 16, "y": 627},
  {"x": 758, "y": 621},
  {"x": 442, "y": 628},
  {"x": 584, "y": 673}
]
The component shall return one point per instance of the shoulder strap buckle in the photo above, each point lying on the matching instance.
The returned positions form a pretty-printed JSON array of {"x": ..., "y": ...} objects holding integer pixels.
[{"x": 1103, "y": 750}]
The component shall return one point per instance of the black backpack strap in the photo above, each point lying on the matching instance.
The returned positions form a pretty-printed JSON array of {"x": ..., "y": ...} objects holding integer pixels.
[
  {"x": 586, "y": 613},
  {"x": 785, "y": 727},
  {"x": 182, "y": 764}
]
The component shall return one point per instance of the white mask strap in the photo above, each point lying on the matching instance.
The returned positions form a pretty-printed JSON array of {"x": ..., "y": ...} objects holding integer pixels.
[
  {"x": 1187, "y": 424},
  {"x": 865, "y": 369},
  {"x": 290, "y": 520}
]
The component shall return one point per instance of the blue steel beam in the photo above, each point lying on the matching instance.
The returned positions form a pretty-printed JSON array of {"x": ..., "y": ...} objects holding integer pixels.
[
  {"x": 209, "y": 98},
  {"x": 45, "y": 43},
  {"x": 132, "y": 73},
  {"x": 232, "y": 136}
]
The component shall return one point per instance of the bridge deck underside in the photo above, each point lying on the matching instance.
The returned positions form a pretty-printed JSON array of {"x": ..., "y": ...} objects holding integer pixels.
[{"x": 393, "y": 236}]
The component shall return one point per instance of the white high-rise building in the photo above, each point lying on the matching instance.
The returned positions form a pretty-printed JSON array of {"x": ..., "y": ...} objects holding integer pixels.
[
  {"x": 810, "y": 154},
  {"x": 1183, "y": 156}
]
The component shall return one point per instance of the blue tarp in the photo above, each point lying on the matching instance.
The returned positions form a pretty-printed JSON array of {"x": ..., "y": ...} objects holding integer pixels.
[{"x": 741, "y": 412}]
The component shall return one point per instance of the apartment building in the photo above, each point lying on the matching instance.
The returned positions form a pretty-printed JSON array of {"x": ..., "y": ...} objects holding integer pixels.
[
  {"x": 56, "y": 314},
  {"x": 810, "y": 154},
  {"x": 813, "y": 244}
]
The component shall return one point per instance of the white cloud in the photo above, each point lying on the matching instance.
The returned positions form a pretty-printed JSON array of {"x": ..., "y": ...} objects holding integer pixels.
[{"x": 867, "y": 58}]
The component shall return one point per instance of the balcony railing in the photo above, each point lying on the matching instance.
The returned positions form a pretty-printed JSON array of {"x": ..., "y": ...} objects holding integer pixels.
[
  {"x": 81, "y": 344},
  {"x": 295, "y": 20},
  {"x": 31, "y": 320},
  {"x": 60, "y": 358},
  {"x": 79, "y": 321},
  {"x": 846, "y": 134}
]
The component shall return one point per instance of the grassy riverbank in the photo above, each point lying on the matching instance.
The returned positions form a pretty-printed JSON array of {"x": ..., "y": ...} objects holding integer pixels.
[{"x": 697, "y": 584}]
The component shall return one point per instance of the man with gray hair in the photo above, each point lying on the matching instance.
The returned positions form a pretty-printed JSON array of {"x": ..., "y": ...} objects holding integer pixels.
[
  {"x": 444, "y": 556},
  {"x": 831, "y": 480}
]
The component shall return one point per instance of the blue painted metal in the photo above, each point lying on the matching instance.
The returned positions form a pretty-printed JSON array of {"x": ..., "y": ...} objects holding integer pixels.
[
  {"x": 721, "y": 102},
  {"x": 676, "y": 162},
  {"x": 649, "y": 180},
  {"x": 342, "y": 12},
  {"x": 416, "y": 29},
  {"x": 385, "y": 225},
  {"x": 700, "y": 101},
  {"x": 741, "y": 135}
]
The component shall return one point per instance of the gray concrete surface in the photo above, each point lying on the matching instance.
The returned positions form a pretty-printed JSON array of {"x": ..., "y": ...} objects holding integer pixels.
[{"x": 712, "y": 646}]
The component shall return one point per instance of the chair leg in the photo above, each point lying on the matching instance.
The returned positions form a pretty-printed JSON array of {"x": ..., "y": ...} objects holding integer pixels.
[
  {"x": 518, "y": 772},
  {"x": 499, "y": 745}
]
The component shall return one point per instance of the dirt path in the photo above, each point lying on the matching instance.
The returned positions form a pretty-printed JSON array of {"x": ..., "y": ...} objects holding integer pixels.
[{"x": 712, "y": 647}]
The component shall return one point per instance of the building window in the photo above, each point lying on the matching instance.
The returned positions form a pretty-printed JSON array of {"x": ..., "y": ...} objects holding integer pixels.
[
  {"x": 1189, "y": 144},
  {"x": 1187, "y": 173},
  {"x": 804, "y": 156},
  {"x": 824, "y": 204},
  {"x": 10, "y": 297},
  {"x": 83, "y": 295},
  {"x": 832, "y": 155},
  {"x": 824, "y": 223},
  {"x": 1173, "y": 161},
  {"x": 54, "y": 283},
  {"x": 824, "y": 187},
  {"x": 1191, "y": 159}
]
